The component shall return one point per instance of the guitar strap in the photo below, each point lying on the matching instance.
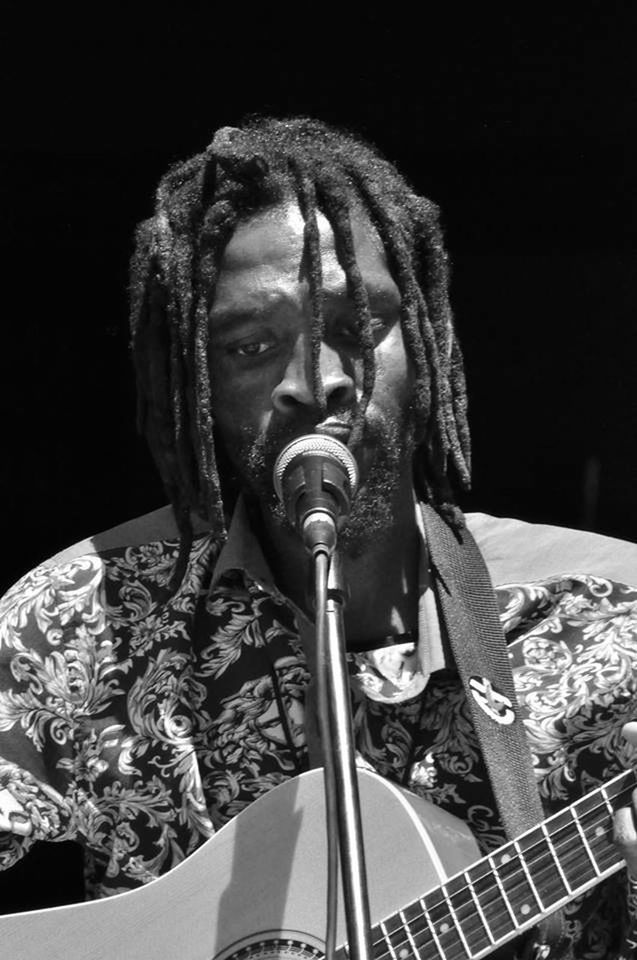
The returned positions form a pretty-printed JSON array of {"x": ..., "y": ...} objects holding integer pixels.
[{"x": 469, "y": 611}]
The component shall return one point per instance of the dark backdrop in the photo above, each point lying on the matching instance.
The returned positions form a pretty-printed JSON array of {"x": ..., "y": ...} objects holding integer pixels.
[{"x": 523, "y": 129}]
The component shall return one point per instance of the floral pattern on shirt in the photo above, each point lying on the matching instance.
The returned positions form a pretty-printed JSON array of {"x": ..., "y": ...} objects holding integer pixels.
[{"x": 137, "y": 721}]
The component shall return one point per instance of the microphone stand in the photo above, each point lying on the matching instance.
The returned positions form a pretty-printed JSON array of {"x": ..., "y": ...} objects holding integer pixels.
[
  {"x": 341, "y": 786},
  {"x": 314, "y": 478}
]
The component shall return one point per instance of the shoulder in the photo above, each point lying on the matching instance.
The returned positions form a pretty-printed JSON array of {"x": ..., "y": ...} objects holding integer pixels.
[
  {"x": 95, "y": 579},
  {"x": 558, "y": 587},
  {"x": 519, "y": 552},
  {"x": 155, "y": 527}
]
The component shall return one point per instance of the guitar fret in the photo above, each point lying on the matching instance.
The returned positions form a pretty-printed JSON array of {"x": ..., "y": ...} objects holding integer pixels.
[
  {"x": 476, "y": 900},
  {"x": 597, "y": 824},
  {"x": 620, "y": 788},
  {"x": 419, "y": 928},
  {"x": 414, "y": 914},
  {"x": 566, "y": 842},
  {"x": 528, "y": 876},
  {"x": 580, "y": 830},
  {"x": 502, "y": 894},
  {"x": 432, "y": 929},
  {"x": 607, "y": 800},
  {"x": 485, "y": 882},
  {"x": 556, "y": 860},
  {"x": 396, "y": 929},
  {"x": 379, "y": 943},
  {"x": 387, "y": 939},
  {"x": 468, "y": 913},
  {"x": 444, "y": 924},
  {"x": 409, "y": 936},
  {"x": 456, "y": 921},
  {"x": 540, "y": 863},
  {"x": 518, "y": 889}
]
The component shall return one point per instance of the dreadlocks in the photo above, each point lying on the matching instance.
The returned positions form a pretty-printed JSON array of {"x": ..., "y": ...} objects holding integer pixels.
[{"x": 174, "y": 270}]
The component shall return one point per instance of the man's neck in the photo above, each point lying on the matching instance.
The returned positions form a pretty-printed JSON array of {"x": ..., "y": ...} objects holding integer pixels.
[{"x": 382, "y": 578}]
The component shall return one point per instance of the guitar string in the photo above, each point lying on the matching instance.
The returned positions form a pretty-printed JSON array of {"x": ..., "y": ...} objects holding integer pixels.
[
  {"x": 513, "y": 889},
  {"x": 479, "y": 925},
  {"x": 518, "y": 871},
  {"x": 449, "y": 920}
]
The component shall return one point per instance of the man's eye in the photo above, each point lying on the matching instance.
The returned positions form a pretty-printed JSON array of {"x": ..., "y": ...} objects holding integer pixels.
[
  {"x": 252, "y": 349},
  {"x": 349, "y": 334}
]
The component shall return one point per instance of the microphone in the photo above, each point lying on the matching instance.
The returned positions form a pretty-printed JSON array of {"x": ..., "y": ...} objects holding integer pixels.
[{"x": 315, "y": 478}]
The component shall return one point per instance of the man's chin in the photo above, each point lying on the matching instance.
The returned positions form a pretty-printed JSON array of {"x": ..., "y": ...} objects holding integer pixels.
[
  {"x": 371, "y": 519},
  {"x": 384, "y": 458}
]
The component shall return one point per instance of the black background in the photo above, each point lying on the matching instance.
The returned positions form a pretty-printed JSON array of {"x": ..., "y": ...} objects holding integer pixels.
[{"x": 521, "y": 126}]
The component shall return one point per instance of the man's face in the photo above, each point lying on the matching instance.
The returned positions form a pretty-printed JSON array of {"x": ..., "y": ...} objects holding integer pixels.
[{"x": 260, "y": 357}]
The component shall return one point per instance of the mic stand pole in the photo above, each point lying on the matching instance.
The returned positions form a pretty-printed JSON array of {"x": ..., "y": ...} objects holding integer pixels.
[{"x": 341, "y": 785}]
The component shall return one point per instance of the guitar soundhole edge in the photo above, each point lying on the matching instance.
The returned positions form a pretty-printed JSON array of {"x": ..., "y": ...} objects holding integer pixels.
[{"x": 282, "y": 946}]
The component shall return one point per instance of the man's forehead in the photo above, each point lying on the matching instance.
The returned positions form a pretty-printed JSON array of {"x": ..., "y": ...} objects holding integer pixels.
[{"x": 278, "y": 233}]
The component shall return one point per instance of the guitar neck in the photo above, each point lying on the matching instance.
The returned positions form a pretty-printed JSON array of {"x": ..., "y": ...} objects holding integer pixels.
[{"x": 509, "y": 891}]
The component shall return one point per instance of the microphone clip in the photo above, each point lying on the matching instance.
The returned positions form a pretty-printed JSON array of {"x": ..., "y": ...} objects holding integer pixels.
[{"x": 315, "y": 478}]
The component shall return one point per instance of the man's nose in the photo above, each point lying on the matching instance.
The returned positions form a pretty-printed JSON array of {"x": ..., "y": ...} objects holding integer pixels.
[{"x": 294, "y": 390}]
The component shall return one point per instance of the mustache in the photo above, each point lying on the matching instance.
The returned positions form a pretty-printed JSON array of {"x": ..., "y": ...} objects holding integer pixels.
[
  {"x": 260, "y": 452},
  {"x": 383, "y": 454},
  {"x": 270, "y": 442},
  {"x": 249, "y": 464}
]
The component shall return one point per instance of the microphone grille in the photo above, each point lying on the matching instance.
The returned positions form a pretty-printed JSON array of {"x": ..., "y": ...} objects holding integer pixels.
[{"x": 317, "y": 444}]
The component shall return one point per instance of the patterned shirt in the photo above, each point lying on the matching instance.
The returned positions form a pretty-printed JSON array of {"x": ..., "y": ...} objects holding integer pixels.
[{"x": 137, "y": 720}]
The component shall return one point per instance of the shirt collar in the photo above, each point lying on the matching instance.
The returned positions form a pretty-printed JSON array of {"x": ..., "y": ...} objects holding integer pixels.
[{"x": 242, "y": 551}]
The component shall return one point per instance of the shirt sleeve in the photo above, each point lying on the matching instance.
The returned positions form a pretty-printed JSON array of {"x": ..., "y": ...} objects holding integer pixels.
[
  {"x": 573, "y": 641},
  {"x": 628, "y": 949},
  {"x": 49, "y": 677}
]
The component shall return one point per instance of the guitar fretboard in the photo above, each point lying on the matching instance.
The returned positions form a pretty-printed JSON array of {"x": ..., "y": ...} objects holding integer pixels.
[{"x": 503, "y": 894}]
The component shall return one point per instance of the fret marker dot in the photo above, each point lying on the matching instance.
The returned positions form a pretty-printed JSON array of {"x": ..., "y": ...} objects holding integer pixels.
[
  {"x": 525, "y": 908},
  {"x": 600, "y": 832},
  {"x": 505, "y": 858},
  {"x": 444, "y": 927},
  {"x": 403, "y": 954}
]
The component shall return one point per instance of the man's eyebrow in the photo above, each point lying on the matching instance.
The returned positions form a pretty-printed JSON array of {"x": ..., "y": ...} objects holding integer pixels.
[
  {"x": 225, "y": 320},
  {"x": 380, "y": 297}
]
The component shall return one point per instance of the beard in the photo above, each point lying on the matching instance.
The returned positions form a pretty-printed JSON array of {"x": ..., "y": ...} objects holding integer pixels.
[{"x": 384, "y": 456}]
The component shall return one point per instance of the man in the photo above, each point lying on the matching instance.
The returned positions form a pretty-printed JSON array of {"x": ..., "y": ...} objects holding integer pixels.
[{"x": 291, "y": 282}]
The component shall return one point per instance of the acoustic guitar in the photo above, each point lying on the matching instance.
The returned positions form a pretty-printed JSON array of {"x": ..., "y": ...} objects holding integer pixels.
[{"x": 257, "y": 889}]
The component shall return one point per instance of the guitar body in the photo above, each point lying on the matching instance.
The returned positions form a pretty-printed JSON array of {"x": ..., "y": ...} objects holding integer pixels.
[{"x": 257, "y": 888}]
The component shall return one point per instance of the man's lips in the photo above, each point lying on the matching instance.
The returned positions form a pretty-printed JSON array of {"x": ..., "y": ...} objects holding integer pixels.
[{"x": 339, "y": 429}]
